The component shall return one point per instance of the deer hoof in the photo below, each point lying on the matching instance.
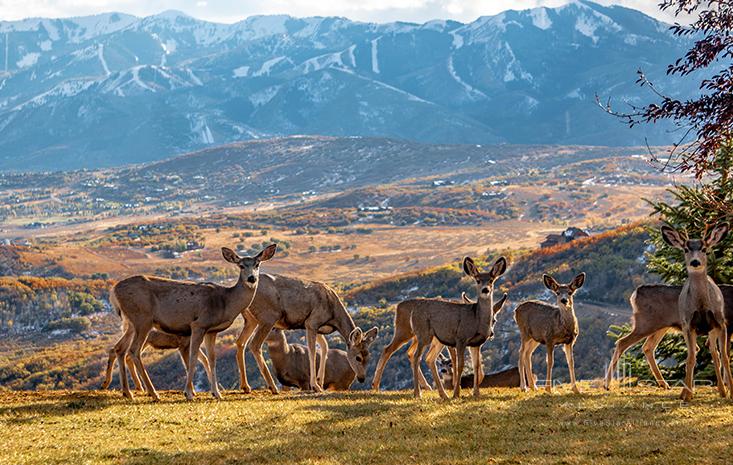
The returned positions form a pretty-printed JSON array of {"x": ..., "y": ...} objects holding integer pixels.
[
  {"x": 246, "y": 389},
  {"x": 128, "y": 394},
  {"x": 686, "y": 395},
  {"x": 188, "y": 394},
  {"x": 548, "y": 389},
  {"x": 576, "y": 390}
]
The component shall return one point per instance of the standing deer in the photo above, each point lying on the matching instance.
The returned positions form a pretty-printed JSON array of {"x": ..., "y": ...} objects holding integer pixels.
[
  {"x": 655, "y": 313},
  {"x": 157, "y": 340},
  {"x": 439, "y": 322},
  {"x": 700, "y": 306},
  {"x": 403, "y": 333},
  {"x": 198, "y": 310},
  {"x": 542, "y": 323},
  {"x": 289, "y": 303},
  {"x": 290, "y": 362}
]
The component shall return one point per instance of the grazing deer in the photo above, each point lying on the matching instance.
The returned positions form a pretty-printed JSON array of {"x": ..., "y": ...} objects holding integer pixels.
[
  {"x": 157, "y": 340},
  {"x": 542, "y": 323},
  {"x": 288, "y": 303},
  {"x": 198, "y": 310},
  {"x": 403, "y": 333},
  {"x": 439, "y": 322},
  {"x": 655, "y": 313},
  {"x": 290, "y": 362},
  {"x": 503, "y": 378},
  {"x": 700, "y": 306}
]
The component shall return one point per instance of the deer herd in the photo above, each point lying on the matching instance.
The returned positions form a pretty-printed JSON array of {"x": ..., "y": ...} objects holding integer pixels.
[{"x": 169, "y": 314}]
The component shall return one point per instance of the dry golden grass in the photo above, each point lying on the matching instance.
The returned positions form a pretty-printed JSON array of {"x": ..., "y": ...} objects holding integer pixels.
[{"x": 634, "y": 426}]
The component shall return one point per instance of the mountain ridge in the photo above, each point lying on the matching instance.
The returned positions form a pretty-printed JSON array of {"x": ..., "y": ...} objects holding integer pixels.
[{"x": 115, "y": 89}]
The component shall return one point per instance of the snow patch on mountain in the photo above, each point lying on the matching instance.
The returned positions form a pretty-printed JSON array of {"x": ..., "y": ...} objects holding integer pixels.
[
  {"x": 242, "y": 71},
  {"x": 540, "y": 18},
  {"x": 264, "y": 96},
  {"x": 267, "y": 66},
  {"x": 375, "y": 56},
  {"x": 29, "y": 59},
  {"x": 102, "y": 61},
  {"x": 468, "y": 88}
]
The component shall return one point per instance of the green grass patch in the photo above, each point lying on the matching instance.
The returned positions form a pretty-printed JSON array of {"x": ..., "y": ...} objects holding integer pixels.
[{"x": 634, "y": 426}]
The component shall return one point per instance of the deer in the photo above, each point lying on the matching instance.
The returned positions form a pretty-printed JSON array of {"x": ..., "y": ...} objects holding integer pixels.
[
  {"x": 439, "y": 322},
  {"x": 161, "y": 341},
  {"x": 290, "y": 362},
  {"x": 542, "y": 323},
  {"x": 291, "y": 303},
  {"x": 403, "y": 333},
  {"x": 182, "y": 308},
  {"x": 503, "y": 378},
  {"x": 655, "y": 313},
  {"x": 701, "y": 306}
]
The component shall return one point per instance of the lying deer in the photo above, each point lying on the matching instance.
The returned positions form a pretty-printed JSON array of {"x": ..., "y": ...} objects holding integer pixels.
[
  {"x": 503, "y": 378},
  {"x": 157, "y": 340},
  {"x": 700, "y": 306},
  {"x": 290, "y": 362},
  {"x": 439, "y": 322},
  {"x": 542, "y": 323},
  {"x": 655, "y": 313},
  {"x": 198, "y": 310},
  {"x": 403, "y": 333},
  {"x": 288, "y": 303}
]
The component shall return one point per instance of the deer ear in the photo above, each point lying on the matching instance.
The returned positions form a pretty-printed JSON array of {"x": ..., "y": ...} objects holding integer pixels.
[
  {"x": 716, "y": 235},
  {"x": 672, "y": 237},
  {"x": 577, "y": 282},
  {"x": 499, "y": 267},
  {"x": 550, "y": 282},
  {"x": 498, "y": 306},
  {"x": 230, "y": 255},
  {"x": 470, "y": 268},
  {"x": 355, "y": 336},
  {"x": 267, "y": 253},
  {"x": 370, "y": 336}
]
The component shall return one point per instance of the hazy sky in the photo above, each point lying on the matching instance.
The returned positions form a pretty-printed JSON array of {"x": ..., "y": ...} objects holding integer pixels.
[{"x": 229, "y": 11}]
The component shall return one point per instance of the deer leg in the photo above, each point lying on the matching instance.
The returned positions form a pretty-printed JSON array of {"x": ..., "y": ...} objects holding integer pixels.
[
  {"x": 622, "y": 345},
  {"x": 477, "y": 371},
  {"x": 568, "y": 348},
  {"x": 550, "y": 361},
  {"x": 724, "y": 344},
  {"x": 520, "y": 362},
  {"x": 310, "y": 337},
  {"x": 121, "y": 348},
  {"x": 421, "y": 376},
  {"x": 204, "y": 360},
  {"x": 183, "y": 352},
  {"x": 712, "y": 344},
  {"x": 133, "y": 373},
  {"x": 416, "y": 368},
  {"x": 255, "y": 346},
  {"x": 398, "y": 340},
  {"x": 323, "y": 346},
  {"x": 649, "y": 347},
  {"x": 250, "y": 324},
  {"x": 110, "y": 366},
  {"x": 531, "y": 379},
  {"x": 691, "y": 341},
  {"x": 210, "y": 340},
  {"x": 475, "y": 353},
  {"x": 435, "y": 348},
  {"x": 460, "y": 360},
  {"x": 138, "y": 342},
  {"x": 197, "y": 337}
]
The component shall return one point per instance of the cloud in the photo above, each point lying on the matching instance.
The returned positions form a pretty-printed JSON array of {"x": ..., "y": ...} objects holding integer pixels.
[{"x": 363, "y": 10}]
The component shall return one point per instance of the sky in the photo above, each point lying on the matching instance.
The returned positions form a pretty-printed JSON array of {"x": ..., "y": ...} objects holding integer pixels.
[{"x": 229, "y": 11}]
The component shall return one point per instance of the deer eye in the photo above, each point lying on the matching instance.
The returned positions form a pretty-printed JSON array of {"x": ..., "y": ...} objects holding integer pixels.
[{"x": 358, "y": 358}]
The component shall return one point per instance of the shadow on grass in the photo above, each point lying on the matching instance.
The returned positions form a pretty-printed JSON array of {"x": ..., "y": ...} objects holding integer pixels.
[{"x": 504, "y": 426}]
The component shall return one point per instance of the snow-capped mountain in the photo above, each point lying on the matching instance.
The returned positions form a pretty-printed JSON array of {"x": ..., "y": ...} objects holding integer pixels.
[{"x": 112, "y": 89}]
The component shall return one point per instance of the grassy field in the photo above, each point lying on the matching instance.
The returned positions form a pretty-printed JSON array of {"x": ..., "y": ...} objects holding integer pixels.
[{"x": 639, "y": 425}]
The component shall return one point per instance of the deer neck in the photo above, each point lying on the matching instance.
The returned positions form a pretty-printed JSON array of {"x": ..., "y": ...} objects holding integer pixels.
[
  {"x": 484, "y": 307},
  {"x": 698, "y": 286},
  {"x": 240, "y": 296},
  {"x": 343, "y": 323}
]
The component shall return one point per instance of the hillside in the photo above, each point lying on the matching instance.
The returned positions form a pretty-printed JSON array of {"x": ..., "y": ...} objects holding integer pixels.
[
  {"x": 633, "y": 426},
  {"x": 56, "y": 330},
  {"x": 142, "y": 89}
]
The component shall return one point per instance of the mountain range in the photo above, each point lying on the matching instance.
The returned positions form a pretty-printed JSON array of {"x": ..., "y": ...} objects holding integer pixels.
[{"x": 115, "y": 89}]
